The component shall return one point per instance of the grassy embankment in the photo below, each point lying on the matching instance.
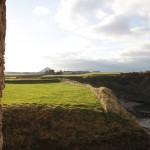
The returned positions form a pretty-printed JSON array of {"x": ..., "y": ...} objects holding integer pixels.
[
  {"x": 132, "y": 85},
  {"x": 64, "y": 116}
]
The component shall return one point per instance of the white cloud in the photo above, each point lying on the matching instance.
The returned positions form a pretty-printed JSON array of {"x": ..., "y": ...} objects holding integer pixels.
[
  {"x": 106, "y": 20},
  {"x": 68, "y": 16},
  {"x": 78, "y": 13},
  {"x": 135, "y": 58},
  {"x": 140, "y": 31},
  {"x": 100, "y": 14},
  {"x": 111, "y": 34},
  {"x": 112, "y": 27},
  {"x": 39, "y": 10},
  {"x": 140, "y": 7},
  {"x": 117, "y": 28},
  {"x": 77, "y": 43}
]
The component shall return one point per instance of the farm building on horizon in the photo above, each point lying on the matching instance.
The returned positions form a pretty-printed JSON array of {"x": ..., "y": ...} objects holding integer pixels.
[{"x": 47, "y": 70}]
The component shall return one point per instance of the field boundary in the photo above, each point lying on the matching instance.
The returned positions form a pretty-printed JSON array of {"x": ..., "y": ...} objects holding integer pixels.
[{"x": 107, "y": 98}]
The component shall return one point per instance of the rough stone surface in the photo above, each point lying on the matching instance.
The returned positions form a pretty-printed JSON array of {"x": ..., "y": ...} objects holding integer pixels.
[{"x": 2, "y": 50}]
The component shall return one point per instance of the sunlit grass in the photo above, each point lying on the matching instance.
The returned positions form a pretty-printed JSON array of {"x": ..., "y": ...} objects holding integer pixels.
[
  {"x": 84, "y": 75},
  {"x": 48, "y": 93}
]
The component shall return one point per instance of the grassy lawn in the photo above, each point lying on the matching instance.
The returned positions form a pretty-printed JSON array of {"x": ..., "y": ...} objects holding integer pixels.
[{"x": 48, "y": 93}]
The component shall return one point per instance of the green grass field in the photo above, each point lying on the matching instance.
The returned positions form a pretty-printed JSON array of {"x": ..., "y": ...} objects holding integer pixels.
[
  {"x": 48, "y": 93},
  {"x": 82, "y": 75}
]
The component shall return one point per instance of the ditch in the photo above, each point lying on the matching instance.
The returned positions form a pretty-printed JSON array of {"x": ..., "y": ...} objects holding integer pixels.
[{"x": 140, "y": 110}]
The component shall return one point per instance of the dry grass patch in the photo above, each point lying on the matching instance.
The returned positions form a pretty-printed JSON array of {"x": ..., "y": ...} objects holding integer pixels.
[{"x": 36, "y": 127}]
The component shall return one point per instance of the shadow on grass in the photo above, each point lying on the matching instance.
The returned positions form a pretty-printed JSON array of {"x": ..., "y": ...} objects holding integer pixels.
[
  {"x": 31, "y": 81},
  {"x": 37, "y": 127}
]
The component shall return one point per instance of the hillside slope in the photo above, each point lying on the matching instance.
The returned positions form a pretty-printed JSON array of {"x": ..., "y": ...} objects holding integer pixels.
[
  {"x": 65, "y": 127},
  {"x": 134, "y": 86}
]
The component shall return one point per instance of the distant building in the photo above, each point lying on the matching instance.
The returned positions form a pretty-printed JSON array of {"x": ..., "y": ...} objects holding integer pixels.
[{"x": 47, "y": 71}]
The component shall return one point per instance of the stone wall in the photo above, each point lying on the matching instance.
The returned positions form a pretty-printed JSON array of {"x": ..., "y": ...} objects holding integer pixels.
[{"x": 2, "y": 50}]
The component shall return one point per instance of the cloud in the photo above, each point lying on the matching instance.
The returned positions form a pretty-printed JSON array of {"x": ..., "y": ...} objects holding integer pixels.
[
  {"x": 100, "y": 14},
  {"x": 72, "y": 61},
  {"x": 77, "y": 43},
  {"x": 68, "y": 17},
  {"x": 77, "y": 13},
  {"x": 39, "y": 10},
  {"x": 105, "y": 20},
  {"x": 111, "y": 28},
  {"x": 108, "y": 65},
  {"x": 138, "y": 52},
  {"x": 139, "y": 7},
  {"x": 118, "y": 28},
  {"x": 135, "y": 58},
  {"x": 105, "y": 35}
]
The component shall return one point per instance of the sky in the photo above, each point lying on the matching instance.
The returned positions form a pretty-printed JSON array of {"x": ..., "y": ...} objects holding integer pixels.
[{"x": 88, "y": 35}]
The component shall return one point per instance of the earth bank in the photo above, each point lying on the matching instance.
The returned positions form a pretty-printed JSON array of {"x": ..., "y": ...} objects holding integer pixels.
[{"x": 65, "y": 127}]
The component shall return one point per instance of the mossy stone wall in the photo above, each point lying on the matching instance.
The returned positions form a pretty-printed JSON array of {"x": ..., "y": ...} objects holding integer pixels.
[{"x": 2, "y": 51}]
